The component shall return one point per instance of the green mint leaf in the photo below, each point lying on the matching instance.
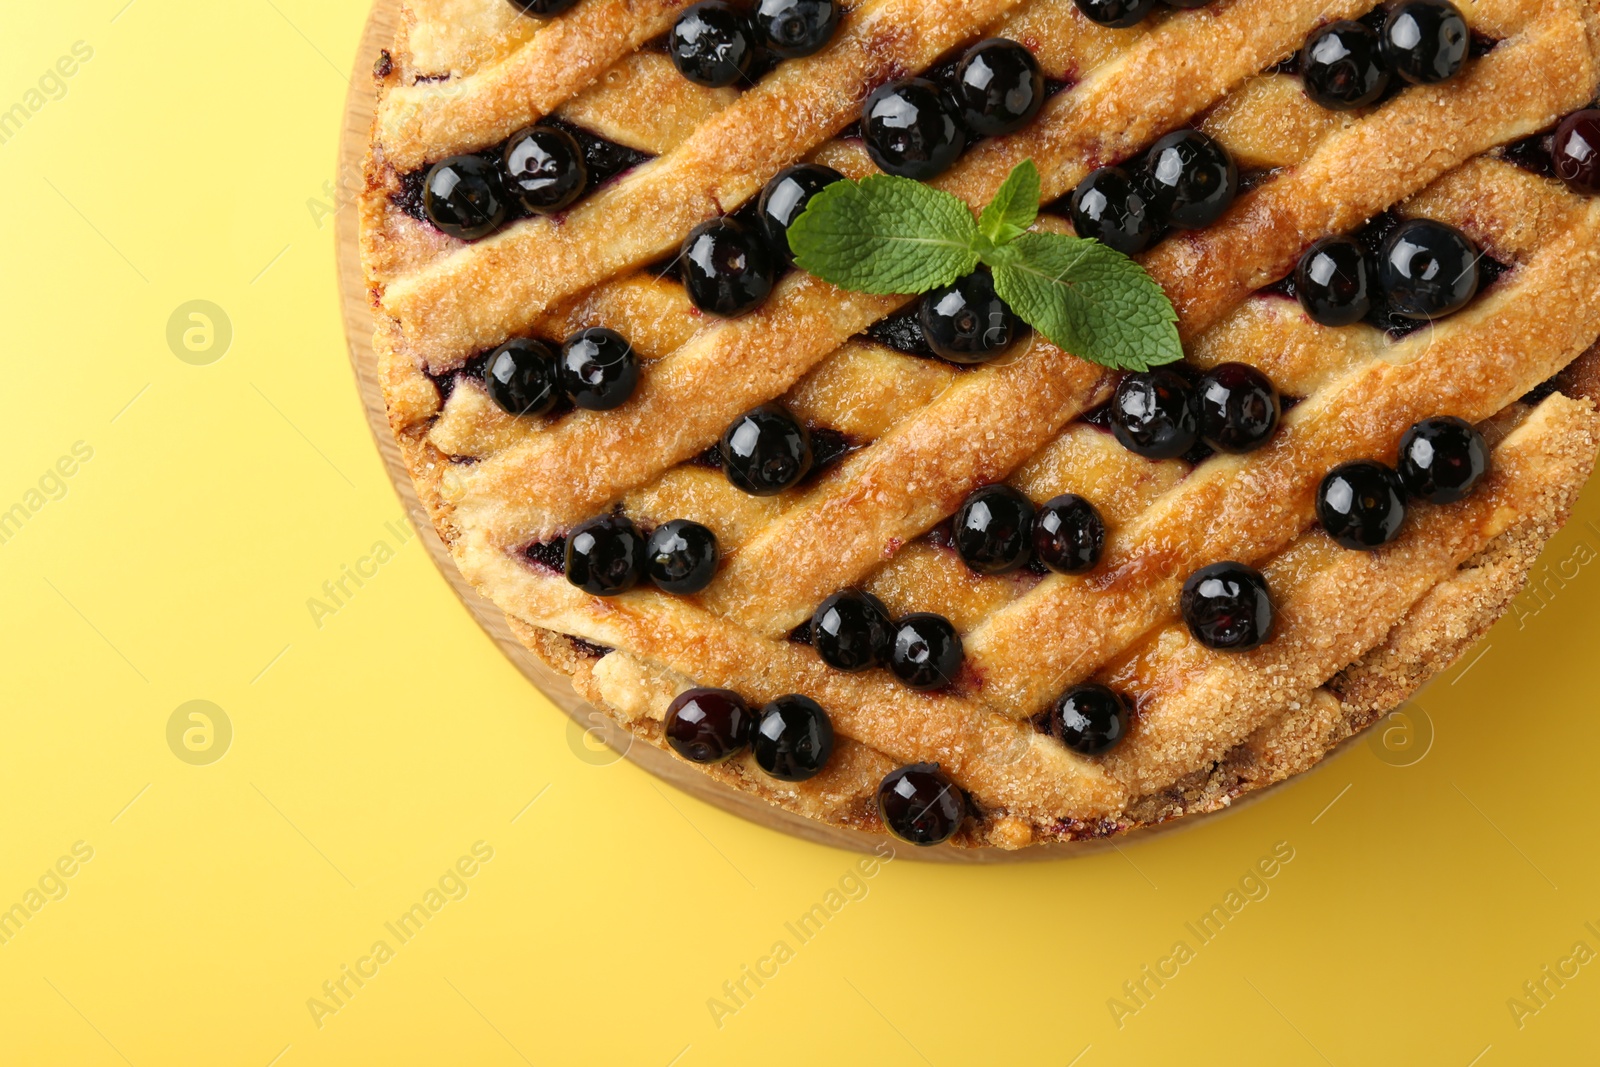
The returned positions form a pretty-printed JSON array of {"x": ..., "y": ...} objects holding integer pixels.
[
  {"x": 885, "y": 235},
  {"x": 1089, "y": 300},
  {"x": 1014, "y": 208}
]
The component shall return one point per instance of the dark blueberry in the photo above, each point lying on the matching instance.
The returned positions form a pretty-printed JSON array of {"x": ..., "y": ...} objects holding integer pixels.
[
  {"x": 998, "y": 87},
  {"x": 1115, "y": 210},
  {"x": 1425, "y": 41},
  {"x": 1227, "y": 607},
  {"x": 605, "y": 556},
  {"x": 1069, "y": 535},
  {"x": 712, "y": 44},
  {"x": 542, "y": 9},
  {"x": 726, "y": 267},
  {"x": 851, "y": 631},
  {"x": 1575, "y": 151},
  {"x": 1191, "y": 179},
  {"x": 598, "y": 369},
  {"x": 1341, "y": 67},
  {"x": 521, "y": 377},
  {"x": 1118, "y": 14},
  {"x": 967, "y": 322},
  {"x": 927, "y": 651},
  {"x": 1089, "y": 719},
  {"x": 796, "y": 28},
  {"x": 994, "y": 529},
  {"x": 766, "y": 451},
  {"x": 793, "y": 739},
  {"x": 1332, "y": 282},
  {"x": 1155, "y": 414},
  {"x": 785, "y": 197},
  {"x": 464, "y": 197},
  {"x": 911, "y": 130},
  {"x": 1361, "y": 504},
  {"x": 709, "y": 725},
  {"x": 681, "y": 556},
  {"x": 920, "y": 804},
  {"x": 1442, "y": 460},
  {"x": 545, "y": 169},
  {"x": 1427, "y": 269},
  {"x": 1239, "y": 408}
]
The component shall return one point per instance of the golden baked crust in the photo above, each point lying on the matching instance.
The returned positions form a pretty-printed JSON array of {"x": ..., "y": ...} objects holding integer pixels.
[{"x": 1358, "y": 632}]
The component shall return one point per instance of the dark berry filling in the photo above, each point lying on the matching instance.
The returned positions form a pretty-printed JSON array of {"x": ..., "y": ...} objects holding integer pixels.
[
  {"x": 793, "y": 739},
  {"x": 902, "y": 332},
  {"x": 920, "y": 804}
]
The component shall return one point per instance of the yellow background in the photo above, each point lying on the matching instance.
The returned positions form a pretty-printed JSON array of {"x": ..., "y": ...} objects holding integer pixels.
[{"x": 371, "y": 753}]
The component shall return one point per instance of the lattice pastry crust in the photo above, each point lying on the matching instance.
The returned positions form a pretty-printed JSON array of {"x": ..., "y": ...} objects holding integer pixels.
[{"x": 1358, "y": 632}]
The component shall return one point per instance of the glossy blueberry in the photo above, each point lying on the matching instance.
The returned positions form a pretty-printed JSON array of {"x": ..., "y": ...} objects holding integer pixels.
[
  {"x": 1442, "y": 460},
  {"x": 521, "y": 377},
  {"x": 1227, "y": 607},
  {"x": 785, "y": 197},
  {"x": 993, "y": 529},
  {"x": 927, "y": 652},
  {"x": 1089, "y": 719},
  {"x": 1341, "y": 66},
  {"x": 712, "y": 44},
  {"x": 464, "y": 197},
  {"x": 1575, "y": 151},
  {"x": 709, "y": 725},
  {"x": 1191, "y": 179},
  {"x": 598, "y": 369},
  {"x": 1239, "y": 408},
  {"x": 999, "y": 87},
  {"x": 920, "y": 804},
  {"x": 793, "y": 739},
  {"x": 911, "y": 129},
  {"x": 545, "y": 169},
  {"x": 726, "y": 267},
  {"x": 766, "y": 451},
  {"x": 851, "y": 631},
  {"x": 681, "y": 556},
  {"x": 605, "y": 556},
  {"x": 1425, "y": 41},
  {"x": 1332, "y": 282},
  {"x": 542, "y": 9},
  {"x": 796, "y": 28},
  {"x": 1361, "y": 504},
  {"x": 1115, "y": 210},
  {"x": 967, "y": 322},
  {"x": 1118, "y": 14},
  {"x": 1427, "y": 269},
  {"x": 1155, "y": 414},
  {"x": 1069, "y": 535}
]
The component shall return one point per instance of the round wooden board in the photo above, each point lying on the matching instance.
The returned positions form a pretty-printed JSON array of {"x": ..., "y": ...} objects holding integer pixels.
[{"x": 358, "y": 323}]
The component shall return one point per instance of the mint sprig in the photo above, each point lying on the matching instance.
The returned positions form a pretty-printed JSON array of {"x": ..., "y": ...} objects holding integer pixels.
[{"x": 888, "y": 235}]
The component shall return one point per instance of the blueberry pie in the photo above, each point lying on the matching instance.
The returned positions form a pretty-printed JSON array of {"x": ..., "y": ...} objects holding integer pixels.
[{"x": 913, "y": 560}]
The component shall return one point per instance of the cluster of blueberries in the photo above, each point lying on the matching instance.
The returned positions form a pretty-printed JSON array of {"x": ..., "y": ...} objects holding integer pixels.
[
  {"x": 791, "y": 740},
  {"x": 717, "y": 44},
  {"x": 596, "y": 369},
  {"x": 1362, "y": 504},
  {"x": 1167, "y": 412},
  {"x": 1422, "y": 271},
  {"x": 543, "y": 168},
  {"x": 609, "y": 555},
  {"x": 1186, "y": 180},
  {"x": 1349, "y": 64}
]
